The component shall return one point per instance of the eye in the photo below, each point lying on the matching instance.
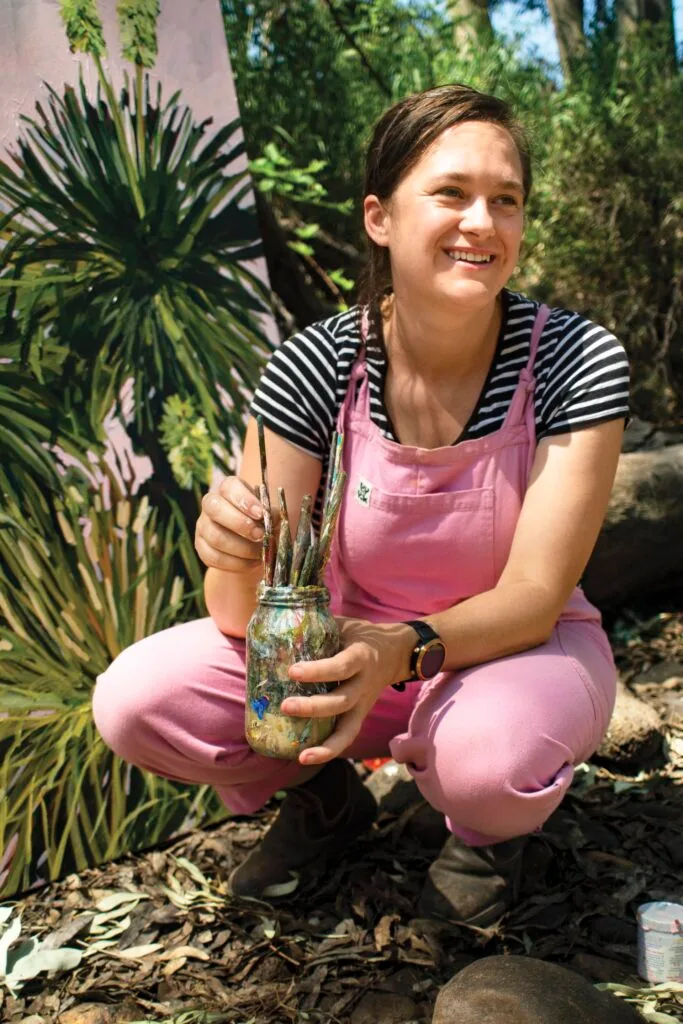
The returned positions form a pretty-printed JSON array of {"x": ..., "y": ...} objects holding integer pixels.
[
  {"x": 508, "y": 200},
  {"x": 451, "y": 190}
]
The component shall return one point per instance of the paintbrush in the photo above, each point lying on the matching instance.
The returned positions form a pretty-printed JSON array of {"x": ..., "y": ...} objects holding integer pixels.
[
  {"x": 303, "y": 539},
  {"x": 267, "y": 537},
  {"x": 267, "y": 510},
  {"x": 307, "y": 575},
  {"x": 333, "y": 467},
  {"x": 328, "y": 527},
  {"x": 283, "y": 562}
]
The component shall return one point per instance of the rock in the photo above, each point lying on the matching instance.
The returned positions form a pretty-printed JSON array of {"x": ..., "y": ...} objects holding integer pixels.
[
  {"x": 393, "y": 787},
  {"x": 640, "y": 547},
  {"x": 662, "y": 672},
  {"x": 600, "y": 968},
  {"x": 385, "y": 1008},
  {"x": 88, "y": 1013},
  {"x": 524, "y": 990},
  {"x": 634, "y": 735}
]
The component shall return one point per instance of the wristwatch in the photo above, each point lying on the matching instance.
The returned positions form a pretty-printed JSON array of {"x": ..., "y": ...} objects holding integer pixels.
[{"x": 428, "y": 654}]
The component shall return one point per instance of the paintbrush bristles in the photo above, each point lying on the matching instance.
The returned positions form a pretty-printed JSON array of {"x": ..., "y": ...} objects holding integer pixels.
[
  {"x": 308, "y": 571},
  {"x": 303, "y": 539},
  {"x": 303, "y": 562},
  {"x": 283, "y": 563}
]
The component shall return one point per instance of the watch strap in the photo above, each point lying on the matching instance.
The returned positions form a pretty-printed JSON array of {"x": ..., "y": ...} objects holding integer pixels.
[{"x": 425, "y": 633}]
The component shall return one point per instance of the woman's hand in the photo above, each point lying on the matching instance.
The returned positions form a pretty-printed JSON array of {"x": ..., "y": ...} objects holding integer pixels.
[
  {"x": 230, "y": 528},
  {"x": 372, "y": 657}
]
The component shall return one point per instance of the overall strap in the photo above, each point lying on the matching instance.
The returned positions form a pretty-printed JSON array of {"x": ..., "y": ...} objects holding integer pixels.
[
  {"x": 539, "y": 324},
  {"x": 358, "y": 375}
]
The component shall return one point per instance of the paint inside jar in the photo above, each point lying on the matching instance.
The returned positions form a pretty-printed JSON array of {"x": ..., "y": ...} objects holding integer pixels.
[{"x": 289, "y": 624}]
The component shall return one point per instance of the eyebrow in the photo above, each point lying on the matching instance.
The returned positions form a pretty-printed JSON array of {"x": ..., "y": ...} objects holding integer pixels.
[{"x": 508, "y": 183}]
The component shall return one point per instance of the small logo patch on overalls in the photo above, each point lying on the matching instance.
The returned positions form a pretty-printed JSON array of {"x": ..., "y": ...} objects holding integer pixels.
[{"x": 363, "y": 492}]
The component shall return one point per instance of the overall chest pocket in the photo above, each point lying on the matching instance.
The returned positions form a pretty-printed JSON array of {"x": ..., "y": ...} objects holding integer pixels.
[{"x": 424, "y": 552}]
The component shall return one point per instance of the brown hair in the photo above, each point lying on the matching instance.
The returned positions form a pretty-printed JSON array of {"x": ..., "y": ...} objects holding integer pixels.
[{"x": 400, "y": 138}]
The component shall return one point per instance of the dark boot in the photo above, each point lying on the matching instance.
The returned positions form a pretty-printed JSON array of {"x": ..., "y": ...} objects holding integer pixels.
[
  {"x": 318, "y": 818},
  {"x": 474, "y": 885}
]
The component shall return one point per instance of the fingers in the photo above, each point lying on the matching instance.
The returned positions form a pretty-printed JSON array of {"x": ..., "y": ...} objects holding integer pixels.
[
  {"x": 328, "y": 670},
  {"x": 324, "y": 705},
  {"x": 345, "y": 732},
  {"x": 229, "y": 530}
]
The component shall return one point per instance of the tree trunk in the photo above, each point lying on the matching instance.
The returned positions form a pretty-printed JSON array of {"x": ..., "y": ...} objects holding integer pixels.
[
  {"x": 631, "y": 14},
  {"x": 567, "y": 18},
  {"x": 471, "y": 22}
]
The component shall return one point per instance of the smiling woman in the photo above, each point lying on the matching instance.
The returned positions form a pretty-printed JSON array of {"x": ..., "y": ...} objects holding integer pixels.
[{"x": 482, "y": 432}]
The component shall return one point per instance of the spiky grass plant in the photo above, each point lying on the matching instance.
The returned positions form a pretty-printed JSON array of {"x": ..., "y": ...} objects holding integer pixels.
[
  {"x": 135, "y": 242},
  {"x": 66, "y": 609}
]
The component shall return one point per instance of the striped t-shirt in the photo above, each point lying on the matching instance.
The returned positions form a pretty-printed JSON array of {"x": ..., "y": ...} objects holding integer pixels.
[{"x": 581, "y": 373}]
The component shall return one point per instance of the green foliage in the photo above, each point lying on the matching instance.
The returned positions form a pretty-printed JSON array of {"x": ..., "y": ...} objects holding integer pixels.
[
  {"x": 83, "y": 26},
  {"x": 185, "y": 437},
  {"x": 138, "y": 30},
  {"x": 169, "y": 297},
  {"x": 71, "y": 599},
  {"x": 605, "y": 232}
]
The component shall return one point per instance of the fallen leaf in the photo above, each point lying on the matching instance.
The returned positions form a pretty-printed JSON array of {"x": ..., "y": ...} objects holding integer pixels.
[
  {"x": 383, "y": 931},
  {"x": 136, "y": 952},
  {"x": 116, "y": 899},
  {"x": 283, "y": 888},
  {"x": 66, "y": 932},
  {"x": 174, "y": 965},
  {"x": 186, "y": 951}
]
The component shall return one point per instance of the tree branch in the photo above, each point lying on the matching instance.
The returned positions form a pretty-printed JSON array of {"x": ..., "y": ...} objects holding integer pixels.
[{"x": 352, "y": 42}]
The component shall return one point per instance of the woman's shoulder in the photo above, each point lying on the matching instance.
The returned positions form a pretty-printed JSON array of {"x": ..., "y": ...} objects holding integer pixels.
[
  {"x": 565, "y": 329},
  {"x": 331, "y": 335}
]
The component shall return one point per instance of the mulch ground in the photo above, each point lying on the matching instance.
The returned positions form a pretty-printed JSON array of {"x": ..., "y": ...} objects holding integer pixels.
[{"x": 162, "y": 942}]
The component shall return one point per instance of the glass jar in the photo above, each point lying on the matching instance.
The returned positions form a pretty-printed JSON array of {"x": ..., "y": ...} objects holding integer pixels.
[{"x": 290, "y": 624}]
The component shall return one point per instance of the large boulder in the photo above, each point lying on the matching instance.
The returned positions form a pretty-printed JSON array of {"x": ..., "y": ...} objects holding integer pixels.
[{"x": 640, "y": 548}]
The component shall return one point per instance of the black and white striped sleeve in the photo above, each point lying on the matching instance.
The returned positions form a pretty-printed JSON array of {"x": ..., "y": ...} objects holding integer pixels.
[
  {"x": 296, "y": 393},
  {"x": 587, "y": 379}
]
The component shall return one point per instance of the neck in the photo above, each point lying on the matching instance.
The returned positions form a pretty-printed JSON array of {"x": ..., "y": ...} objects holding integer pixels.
[{"x": 434, "y": 346}]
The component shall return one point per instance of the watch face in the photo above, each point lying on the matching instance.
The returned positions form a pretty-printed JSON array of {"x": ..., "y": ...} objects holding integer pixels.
[{"x": 432, "y": 660}]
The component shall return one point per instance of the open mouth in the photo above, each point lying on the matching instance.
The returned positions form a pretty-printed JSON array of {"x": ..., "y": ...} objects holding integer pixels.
[{"x": 470, "y": 258}]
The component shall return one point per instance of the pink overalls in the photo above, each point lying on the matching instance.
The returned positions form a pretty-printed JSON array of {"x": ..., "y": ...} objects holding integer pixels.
[{"x": 492, "y": 747}]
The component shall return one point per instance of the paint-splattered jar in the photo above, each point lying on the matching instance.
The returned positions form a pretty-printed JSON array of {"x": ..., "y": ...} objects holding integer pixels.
[{"x": 290, "y": 624}]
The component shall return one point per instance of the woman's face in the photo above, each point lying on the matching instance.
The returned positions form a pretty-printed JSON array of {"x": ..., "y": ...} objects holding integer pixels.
[{"x": 454, "y": 223}]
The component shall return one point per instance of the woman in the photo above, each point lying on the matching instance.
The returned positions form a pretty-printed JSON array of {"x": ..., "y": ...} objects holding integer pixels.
[{"x": 482, "y": 435}]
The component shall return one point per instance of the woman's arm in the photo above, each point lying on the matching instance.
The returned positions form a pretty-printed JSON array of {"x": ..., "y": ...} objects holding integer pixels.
[
  {"x": 231, "y": 597},
  {"x": 563, "y": 510}
]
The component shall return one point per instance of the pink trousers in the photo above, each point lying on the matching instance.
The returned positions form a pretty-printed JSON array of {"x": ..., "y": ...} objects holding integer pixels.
[{"x": 492, "y": 747}]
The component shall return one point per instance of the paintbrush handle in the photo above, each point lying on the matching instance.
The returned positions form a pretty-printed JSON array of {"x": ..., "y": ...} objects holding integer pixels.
[
  {"x": 328, "y": 529},
  {"x": 267, "y": 536},
  {"x": 308, "y": 573},
  {"x": 303, "y": 539}
]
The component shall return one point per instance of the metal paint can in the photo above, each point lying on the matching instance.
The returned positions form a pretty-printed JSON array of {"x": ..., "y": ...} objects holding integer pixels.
[
  {"x": 289, "y": 624},
  {"x": 660, "y": 941}
]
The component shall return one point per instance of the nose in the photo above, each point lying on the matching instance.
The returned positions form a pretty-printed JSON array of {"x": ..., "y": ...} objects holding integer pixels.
[{"x": 476, "y": 218}]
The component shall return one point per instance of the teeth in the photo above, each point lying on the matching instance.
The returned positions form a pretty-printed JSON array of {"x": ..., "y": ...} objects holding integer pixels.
[{"x": 468, "y": 257}]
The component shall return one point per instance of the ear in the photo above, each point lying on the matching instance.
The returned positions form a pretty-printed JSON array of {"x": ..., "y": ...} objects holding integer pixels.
[{"x": 376, "y": 219}]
